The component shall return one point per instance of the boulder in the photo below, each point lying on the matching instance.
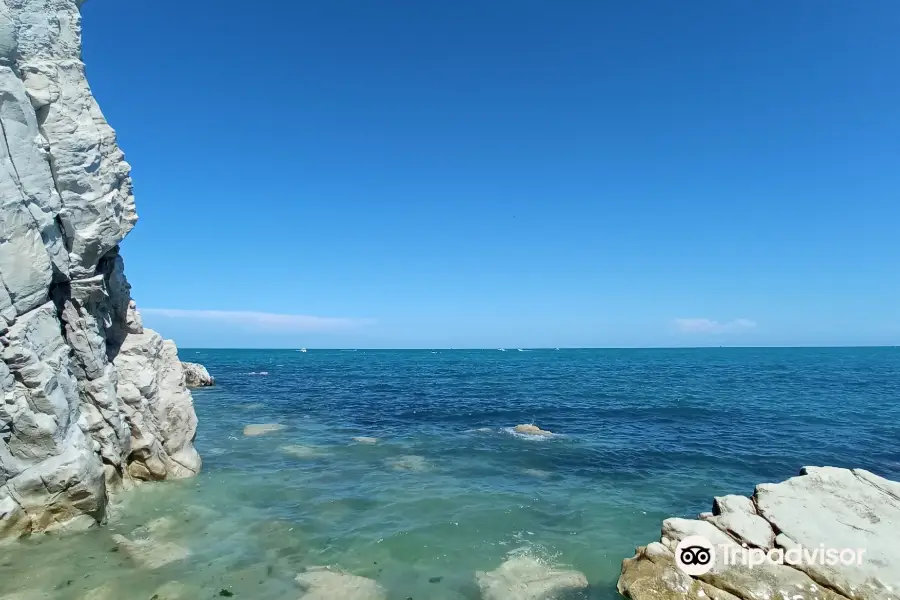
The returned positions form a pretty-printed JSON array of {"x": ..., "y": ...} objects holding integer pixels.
[
  {"x": 529, "y": 429},
  {"x": 525, "y": 578},
  {"x": 196, "y": 375},
  {"x": 325, "y": 583}
]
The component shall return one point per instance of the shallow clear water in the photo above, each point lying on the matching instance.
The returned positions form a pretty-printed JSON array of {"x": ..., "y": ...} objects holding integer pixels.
[{"x": 640, "y": 435}]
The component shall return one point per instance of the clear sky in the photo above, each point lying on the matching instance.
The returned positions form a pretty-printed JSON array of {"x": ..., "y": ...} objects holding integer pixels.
[{"x": 426, "y": 173}]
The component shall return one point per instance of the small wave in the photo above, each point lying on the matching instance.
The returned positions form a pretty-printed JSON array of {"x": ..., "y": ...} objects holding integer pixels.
[
  {"x": 480, "y": 430},
  {"x": 263, "y": 373}
]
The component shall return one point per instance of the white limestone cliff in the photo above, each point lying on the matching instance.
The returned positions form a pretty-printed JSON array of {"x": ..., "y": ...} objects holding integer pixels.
[{"x": 89, "y": 399}]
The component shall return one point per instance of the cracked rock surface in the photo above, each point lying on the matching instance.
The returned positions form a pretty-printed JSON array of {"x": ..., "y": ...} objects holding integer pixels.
[
  {"x": 822, "y": 508},
  {"x": 89, "y": 399}
]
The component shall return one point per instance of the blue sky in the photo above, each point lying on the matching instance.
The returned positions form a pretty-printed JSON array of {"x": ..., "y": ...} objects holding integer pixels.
[{"x": 480, "y": 174}]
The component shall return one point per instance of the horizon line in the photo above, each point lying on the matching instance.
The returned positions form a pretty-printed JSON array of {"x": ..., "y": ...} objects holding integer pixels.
[{"x": 554, "y": 348}]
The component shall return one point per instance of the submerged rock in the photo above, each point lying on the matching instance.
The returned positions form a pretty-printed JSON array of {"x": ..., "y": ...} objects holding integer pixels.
[
  {"x": 823, "y": 508},
  {"x": 151, "y": 554},
  {"x": 175, "y": 590},
  {"x": 89, "y": 398},
  {"x": 539, "y": 473},
  {"x": 158, "y": 526},
  {"x": 524, "y": 578},
  {"x": 411, "y": 462},
  {"x": 324, "y": 583},
  {"x": 298, "y": 451},
  {"x": 196, "y": 375},
  {"x": 531, "y": 430},
  {"x": 262, "y": 429}
]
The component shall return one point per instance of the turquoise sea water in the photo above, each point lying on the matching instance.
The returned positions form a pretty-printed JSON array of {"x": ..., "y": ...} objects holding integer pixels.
[{"x": 640, "y": 435}]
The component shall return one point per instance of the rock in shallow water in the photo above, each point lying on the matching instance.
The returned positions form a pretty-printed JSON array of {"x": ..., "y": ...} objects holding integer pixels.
[
  {"x": 324, "y": 583},
  {"x": 262, "y": 429},
  {"x": 823, "y": 508},
  {"x": 531, "y": 430},
  {"x": 524, "y": 578},
  {"x": 298, "y": 451},
  {"x": 196, "y": 375},
  {"x": 411, "y": 462},
  {"x": 151, "y": 554}
]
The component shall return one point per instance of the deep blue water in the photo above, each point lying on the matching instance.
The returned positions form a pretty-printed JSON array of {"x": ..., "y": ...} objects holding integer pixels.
[
  {"x": 640, "y": 435},
  {"x": 727, "y": 417}
]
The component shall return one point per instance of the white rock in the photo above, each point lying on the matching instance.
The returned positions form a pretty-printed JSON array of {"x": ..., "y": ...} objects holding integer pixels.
[
  {"x": 529, "y": 429},
  {"x": 737, "y": 516},
  {"x": 823, "y": 508},
  {"x": 324, "y": 583},
  {"x": 262, "y": 429},
  {"x": 87, "y": 396},
  {"x": 524, "y": 578},
  {"x": 299, "y": 451},
  {"x": 151, "y": 554},
  {"x": 196, "y": 375}
]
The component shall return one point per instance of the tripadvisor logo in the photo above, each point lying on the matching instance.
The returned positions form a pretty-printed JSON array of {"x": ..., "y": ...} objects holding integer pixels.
[{"x": 696, "y": 555}]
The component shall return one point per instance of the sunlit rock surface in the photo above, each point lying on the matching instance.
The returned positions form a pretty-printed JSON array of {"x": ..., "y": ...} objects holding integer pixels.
[
  {"x": 196, "y": 375},
  {"x": 90, "y": 399},
  {"x": 824, "y": 508}
]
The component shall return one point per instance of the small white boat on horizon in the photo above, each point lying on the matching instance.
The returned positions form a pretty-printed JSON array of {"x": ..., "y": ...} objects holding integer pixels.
[{"x": 302, "y": 349}]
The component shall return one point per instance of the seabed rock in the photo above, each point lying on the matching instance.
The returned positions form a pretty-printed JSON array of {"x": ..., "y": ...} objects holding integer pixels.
[
  {"x": 524, "y": 578},
  {"x": 151, "y": 554},
  {"x": 325, "y": 583},
  {"x": 262, "y": 429},
  {"x": 90, "y": 400},
  {"x": 411, "y": 462},
  {"x": 822, "y": 508},
  {"x": 298, "y": 451}
]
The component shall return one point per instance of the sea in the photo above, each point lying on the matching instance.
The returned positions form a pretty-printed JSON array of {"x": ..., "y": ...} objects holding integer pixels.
[{"x": 448, "y": 488}]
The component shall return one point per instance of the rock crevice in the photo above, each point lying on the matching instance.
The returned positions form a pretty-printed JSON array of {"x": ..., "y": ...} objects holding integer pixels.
[{"x": 90, "y": 400}]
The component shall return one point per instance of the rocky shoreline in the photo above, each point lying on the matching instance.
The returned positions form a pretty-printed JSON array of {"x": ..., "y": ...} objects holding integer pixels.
[
  {"x": 853, "y": 512},
  {"x": 92, "y": 400}
]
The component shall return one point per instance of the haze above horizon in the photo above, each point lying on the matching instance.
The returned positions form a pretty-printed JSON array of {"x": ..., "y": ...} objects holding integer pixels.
[{"x": 508, "y": 174}]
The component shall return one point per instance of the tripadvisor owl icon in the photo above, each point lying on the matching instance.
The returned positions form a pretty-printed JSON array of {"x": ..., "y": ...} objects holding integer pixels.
[{"x": 695, "y": 555}]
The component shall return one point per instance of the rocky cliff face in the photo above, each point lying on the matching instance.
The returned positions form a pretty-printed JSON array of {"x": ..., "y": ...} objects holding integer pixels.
[{"x": 89, "y": 399}]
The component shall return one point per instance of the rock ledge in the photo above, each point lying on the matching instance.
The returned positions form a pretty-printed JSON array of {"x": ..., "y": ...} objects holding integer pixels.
[{"x": 823, "y": 508}]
